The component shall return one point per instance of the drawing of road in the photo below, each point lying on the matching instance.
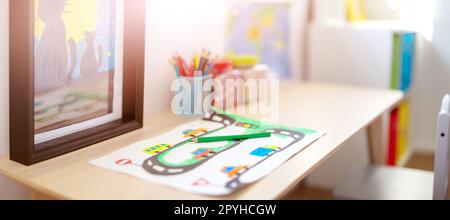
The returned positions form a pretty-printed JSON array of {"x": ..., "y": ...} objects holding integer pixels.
[
  {"x": 187, "y": 155},
  {"x": 172, "y": 162}
]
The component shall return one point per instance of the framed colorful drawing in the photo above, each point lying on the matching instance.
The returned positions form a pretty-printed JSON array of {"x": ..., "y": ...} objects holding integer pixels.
[{"x": 76, "y": 74}]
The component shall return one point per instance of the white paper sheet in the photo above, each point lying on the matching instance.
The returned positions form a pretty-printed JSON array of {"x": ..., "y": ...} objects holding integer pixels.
[{"x": 217, "y": 168}]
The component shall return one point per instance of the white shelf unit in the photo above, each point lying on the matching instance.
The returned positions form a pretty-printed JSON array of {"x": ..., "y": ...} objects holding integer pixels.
[{"x": 356, "y": 54}]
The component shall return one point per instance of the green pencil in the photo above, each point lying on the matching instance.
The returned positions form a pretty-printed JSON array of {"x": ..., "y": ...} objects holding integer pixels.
[{"x": 231, "y": 138}]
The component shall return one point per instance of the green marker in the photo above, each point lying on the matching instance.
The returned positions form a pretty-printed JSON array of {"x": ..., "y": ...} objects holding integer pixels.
[{"x": 231, "y": 138}]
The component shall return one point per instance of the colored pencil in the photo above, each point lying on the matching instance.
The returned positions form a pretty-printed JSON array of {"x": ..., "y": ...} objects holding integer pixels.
[
  {"x": 210, "y": 67},
  {"x": 178, "y": 60},
  {"x": 184, "y": 66},
  {"x": 175, "y": 66},
  {"x": 231, "y": 138},
  {"x": 196, "y": 62},
  {"x": 203, "y": 62}
]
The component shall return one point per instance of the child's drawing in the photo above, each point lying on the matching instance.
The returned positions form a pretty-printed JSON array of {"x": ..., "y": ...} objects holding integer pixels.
[
  {"x": 89, "y": 63},
  {"x": 215, "y": 168},
  {"x": 74, "y": 61},
  {"x": 52, "y": 54}
]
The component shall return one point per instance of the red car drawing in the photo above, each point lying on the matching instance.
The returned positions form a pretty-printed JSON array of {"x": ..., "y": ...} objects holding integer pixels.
[{"x": 201, "y": 153}]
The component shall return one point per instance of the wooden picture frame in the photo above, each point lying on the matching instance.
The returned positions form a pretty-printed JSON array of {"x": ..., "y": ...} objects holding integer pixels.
[{"x": 22, "y": 87}]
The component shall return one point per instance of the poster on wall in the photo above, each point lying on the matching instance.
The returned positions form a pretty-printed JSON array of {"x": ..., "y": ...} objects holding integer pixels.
[{"x": 263, "y": 29}]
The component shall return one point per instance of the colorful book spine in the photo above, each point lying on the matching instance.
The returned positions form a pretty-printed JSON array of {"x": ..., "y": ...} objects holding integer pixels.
[
  {"x": 402, "y": 131},
  {"x": 392, "y": 148},
  {"x": 408, "y": 49},
  {"x": 396, "y": 62}
]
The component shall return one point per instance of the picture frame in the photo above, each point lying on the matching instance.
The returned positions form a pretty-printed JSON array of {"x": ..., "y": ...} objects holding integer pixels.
[{"x": 124, "y": 85}]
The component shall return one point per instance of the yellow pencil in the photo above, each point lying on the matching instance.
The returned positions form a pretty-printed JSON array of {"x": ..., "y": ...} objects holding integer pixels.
[{"x": 196, "y": 61}]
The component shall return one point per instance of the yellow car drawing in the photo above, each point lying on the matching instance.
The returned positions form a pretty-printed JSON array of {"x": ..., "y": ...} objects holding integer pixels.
[
  {"x": 194, "y": 133},
  {"x": 157, "y": 149}
]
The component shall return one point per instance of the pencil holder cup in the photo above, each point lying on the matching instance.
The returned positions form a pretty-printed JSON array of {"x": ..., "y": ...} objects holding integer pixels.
[{"x": 193, "y": 95}]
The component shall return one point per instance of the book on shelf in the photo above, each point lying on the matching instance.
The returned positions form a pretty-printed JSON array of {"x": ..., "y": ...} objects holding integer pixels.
[{"x": 402, "y": 73}]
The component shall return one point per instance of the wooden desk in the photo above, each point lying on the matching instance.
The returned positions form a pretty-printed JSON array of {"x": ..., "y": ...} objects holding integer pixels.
[{"x": 341, "y": 111}]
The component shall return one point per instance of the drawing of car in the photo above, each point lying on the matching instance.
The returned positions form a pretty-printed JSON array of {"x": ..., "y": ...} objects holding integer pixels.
[
  {"x": 233, "y": 171},
  {"x": 194, "y": 132},
  {"x": 264, "y": 151},
  {"x": 157, "y": 149},
  {"x": 246, "y": 125},
  {"x": 200, "y": 153}
]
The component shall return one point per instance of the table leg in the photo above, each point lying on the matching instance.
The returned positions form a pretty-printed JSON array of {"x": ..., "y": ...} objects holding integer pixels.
[{"x": 375, "y": 142}]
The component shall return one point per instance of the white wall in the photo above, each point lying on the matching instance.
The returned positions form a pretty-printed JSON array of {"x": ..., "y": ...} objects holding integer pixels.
[
  {"x": 186, "y": 26},
  {"x": 8, "y": 189},
  {"x": 432, "y": 80},
  {"x": 329, "y": 11},
  {"x": 4, "y": 71},
  {"x": 377, "y": 9}
]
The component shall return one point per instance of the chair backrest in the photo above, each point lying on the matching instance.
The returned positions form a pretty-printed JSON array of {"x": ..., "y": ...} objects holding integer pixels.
[{"x": 442, "y": 153}]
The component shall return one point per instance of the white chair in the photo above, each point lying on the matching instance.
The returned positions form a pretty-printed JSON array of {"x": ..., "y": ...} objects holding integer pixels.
[{"x": 392, "y": 183}]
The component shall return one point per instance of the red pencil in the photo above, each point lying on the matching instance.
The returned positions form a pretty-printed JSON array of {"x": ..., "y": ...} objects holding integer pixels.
[
  {"x": 180, "y": 66},
  {"x": 192, "y": 68},
  {"x": 185, "y": 66}
]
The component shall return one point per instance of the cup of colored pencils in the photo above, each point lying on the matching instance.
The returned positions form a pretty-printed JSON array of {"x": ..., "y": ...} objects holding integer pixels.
[
  {"x": 206, "y": 63},
  {"x": 200, "y": 68}
]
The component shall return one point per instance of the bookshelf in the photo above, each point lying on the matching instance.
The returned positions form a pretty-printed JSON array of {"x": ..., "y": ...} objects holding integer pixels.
[{"x": 370, "y": 53}]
